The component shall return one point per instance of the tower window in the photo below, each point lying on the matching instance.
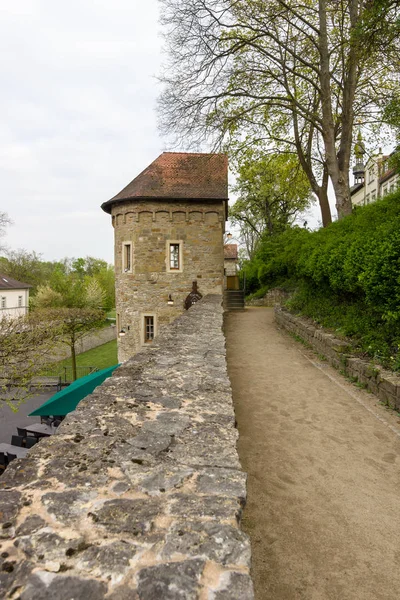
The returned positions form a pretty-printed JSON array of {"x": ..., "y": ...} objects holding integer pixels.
[
  {"x": 148, "y": 328},
  {"x": 174, "y": 256},
  {"x": 127, "y": 257}
]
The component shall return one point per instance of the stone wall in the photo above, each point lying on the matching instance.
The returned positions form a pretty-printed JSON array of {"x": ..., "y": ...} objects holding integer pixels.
[
  {"x": 272, "y": 297},
  {"x": 384, "y": 384},
  {"x": 148, "y": 226},
  {"x": 140, "y": 493},
  {"x": 93, "y": 339}
]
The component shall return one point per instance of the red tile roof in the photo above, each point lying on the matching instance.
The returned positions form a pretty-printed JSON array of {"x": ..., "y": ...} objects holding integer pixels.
[
  {"x": 8, "y": 283},
  {"x": 178, "y": 175},
  {"x": 230, "y": 251}
]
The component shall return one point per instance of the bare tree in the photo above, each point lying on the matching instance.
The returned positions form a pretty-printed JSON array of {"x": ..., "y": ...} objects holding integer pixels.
[
  {"x": 4, "y": 221},
  {"x": 294, "y": 75}
]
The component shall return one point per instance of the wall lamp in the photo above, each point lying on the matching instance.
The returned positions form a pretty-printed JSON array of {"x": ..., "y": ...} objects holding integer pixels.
[
  {"x": 170, "y": 301},
  {"x": 123, "y": 331}
]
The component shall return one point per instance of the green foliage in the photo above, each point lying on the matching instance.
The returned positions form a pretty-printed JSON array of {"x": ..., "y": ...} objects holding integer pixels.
[
  {"x": 69, "y": 282},
  {"x": 347, "y": 275},
  {"x": 272, "y": 191}
]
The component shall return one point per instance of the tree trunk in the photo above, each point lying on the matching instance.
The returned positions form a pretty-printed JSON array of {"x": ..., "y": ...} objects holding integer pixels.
[
  {"x": 342, "y": 193},
  {"x": 322, "y": 194}
]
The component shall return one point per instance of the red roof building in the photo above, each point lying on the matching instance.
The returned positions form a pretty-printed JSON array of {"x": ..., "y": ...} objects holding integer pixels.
[{"x": 178, "y": 175}]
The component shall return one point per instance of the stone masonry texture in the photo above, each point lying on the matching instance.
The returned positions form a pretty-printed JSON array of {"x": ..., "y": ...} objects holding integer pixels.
[
  {"x": 340, "y": 353},
  {"x": 149, "y": 225},
  {"x": 139, "y": 494}
]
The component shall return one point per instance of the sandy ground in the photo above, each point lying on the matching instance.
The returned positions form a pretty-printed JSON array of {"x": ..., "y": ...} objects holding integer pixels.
[{"x": 323, "y": 460}]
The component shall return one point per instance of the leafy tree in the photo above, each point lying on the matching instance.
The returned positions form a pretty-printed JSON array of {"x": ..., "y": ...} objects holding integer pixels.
[
  {"x": 272, "y": 191},
  {"x": 27, "y": 267},
  {"x": 46, "y": 297},
  {"x": 294, "y": 75},
  {"x": 94, "y": 294},
  {"x": 25, "y": 345}
]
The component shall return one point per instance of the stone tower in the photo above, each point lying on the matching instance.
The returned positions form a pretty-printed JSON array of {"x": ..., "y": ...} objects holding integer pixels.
[{"x": 169, "y": 224}]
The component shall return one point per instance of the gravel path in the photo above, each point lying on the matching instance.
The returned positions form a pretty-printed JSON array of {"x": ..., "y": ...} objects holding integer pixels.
[{"x": 323, "y": 461}]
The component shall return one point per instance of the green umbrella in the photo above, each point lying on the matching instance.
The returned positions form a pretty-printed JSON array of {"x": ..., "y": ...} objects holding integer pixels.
[{"x": 66, "y": 400}]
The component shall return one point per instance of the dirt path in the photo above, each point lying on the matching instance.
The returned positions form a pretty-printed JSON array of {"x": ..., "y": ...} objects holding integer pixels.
[{"x": 323, "y": 464}]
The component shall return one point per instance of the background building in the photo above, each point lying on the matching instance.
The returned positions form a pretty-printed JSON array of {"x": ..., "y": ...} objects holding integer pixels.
[
  {"x": 230, "y": 267},
  {"x": 169, "y": 224},
  {"x": 14, "y": 297},
  {"x": 373, "y": 179}
]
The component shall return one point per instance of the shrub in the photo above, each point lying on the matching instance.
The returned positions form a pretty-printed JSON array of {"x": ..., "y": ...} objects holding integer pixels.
[{"x": 347, "y": 275}]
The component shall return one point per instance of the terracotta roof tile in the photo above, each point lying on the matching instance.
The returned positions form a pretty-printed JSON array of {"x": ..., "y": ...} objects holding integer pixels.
[
  {"x": 8, "y": 283},
  {"x": 179, "y": 175},
  {"x": 230, "y": 251}
]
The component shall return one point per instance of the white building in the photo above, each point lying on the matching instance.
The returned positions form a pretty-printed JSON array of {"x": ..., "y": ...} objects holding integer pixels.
[
  {"x": 372, "y": 180},
  {"x": 14, "y": 297},
  {"x": 230, "y": 266}
]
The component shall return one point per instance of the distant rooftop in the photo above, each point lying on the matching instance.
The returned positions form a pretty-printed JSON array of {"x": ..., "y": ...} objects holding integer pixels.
[
  {"x": 178, "y": 175},
  {"x": 8, "y": 283}
]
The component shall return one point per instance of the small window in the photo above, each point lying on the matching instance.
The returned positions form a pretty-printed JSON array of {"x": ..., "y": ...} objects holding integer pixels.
[
  {"x": 3, "y": 302},
  {"x": 174, "y": 257},
  {"x": 19, "y": 301},
  {"x": 148, "y": 328},
  {"x": 367, "y": 199},
  {"x": 385, "y": 190},
  {"x": 371, "y": 174},
  {"x": 373, "y": 196},
  {"x": 127, "y": 257}
]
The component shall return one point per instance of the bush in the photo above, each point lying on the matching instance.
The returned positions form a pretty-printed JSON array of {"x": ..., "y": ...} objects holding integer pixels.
[{"x": 347, "y": 275}]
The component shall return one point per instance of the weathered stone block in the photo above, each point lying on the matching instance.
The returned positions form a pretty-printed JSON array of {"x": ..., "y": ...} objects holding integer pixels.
[{"x": 171, "y": 581}]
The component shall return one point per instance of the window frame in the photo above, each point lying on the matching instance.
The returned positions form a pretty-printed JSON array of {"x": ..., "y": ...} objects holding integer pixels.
[
  {"x": 143, "y": 327},
  {"x": 127, "y": 257},
  {"x": 178, "y": 243}
]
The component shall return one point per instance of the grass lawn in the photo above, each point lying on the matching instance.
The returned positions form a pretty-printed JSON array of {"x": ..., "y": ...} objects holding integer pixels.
[{"x": 101, "y": 357}]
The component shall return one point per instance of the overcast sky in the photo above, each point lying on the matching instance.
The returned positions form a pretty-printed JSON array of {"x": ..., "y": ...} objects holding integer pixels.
[{"x": 77, "y": 117}]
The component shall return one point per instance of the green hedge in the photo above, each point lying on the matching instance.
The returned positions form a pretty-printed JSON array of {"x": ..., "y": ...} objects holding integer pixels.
[{"x": 347, "y": 275}]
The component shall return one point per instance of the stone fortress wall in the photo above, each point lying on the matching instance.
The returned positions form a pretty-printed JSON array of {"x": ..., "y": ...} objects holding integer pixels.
[
  {"x": 149, "y": 226},
  {"x": 139, "y": 495}
]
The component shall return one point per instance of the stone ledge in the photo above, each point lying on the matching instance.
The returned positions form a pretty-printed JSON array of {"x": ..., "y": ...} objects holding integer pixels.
[
  {"x": 140, "y": 493},
  {"x": 384, "y": 384}
]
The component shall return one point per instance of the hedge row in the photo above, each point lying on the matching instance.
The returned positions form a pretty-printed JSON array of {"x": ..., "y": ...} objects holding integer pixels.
[{"x": 347, "y": 275}]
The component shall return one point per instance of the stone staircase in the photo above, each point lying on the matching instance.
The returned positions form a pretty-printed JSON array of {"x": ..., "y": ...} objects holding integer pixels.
[{"x": 234, "y": 300}]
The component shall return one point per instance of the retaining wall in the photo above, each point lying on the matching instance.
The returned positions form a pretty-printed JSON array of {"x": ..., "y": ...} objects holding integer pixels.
[
  {"x": 384, "y": 384},
  {"x": 272, "y": 297},
  {"x": 92, "y": 339},
  {"x": 140, "y": 493}
]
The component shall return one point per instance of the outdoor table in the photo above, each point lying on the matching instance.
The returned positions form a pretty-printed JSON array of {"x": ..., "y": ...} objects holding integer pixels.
[
  {"x": 40, "y": 429},
  {"x": 10, "y": 449}
]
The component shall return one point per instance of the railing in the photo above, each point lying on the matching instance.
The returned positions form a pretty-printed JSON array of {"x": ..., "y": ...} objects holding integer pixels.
[{"x": 66, "y": 373}]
